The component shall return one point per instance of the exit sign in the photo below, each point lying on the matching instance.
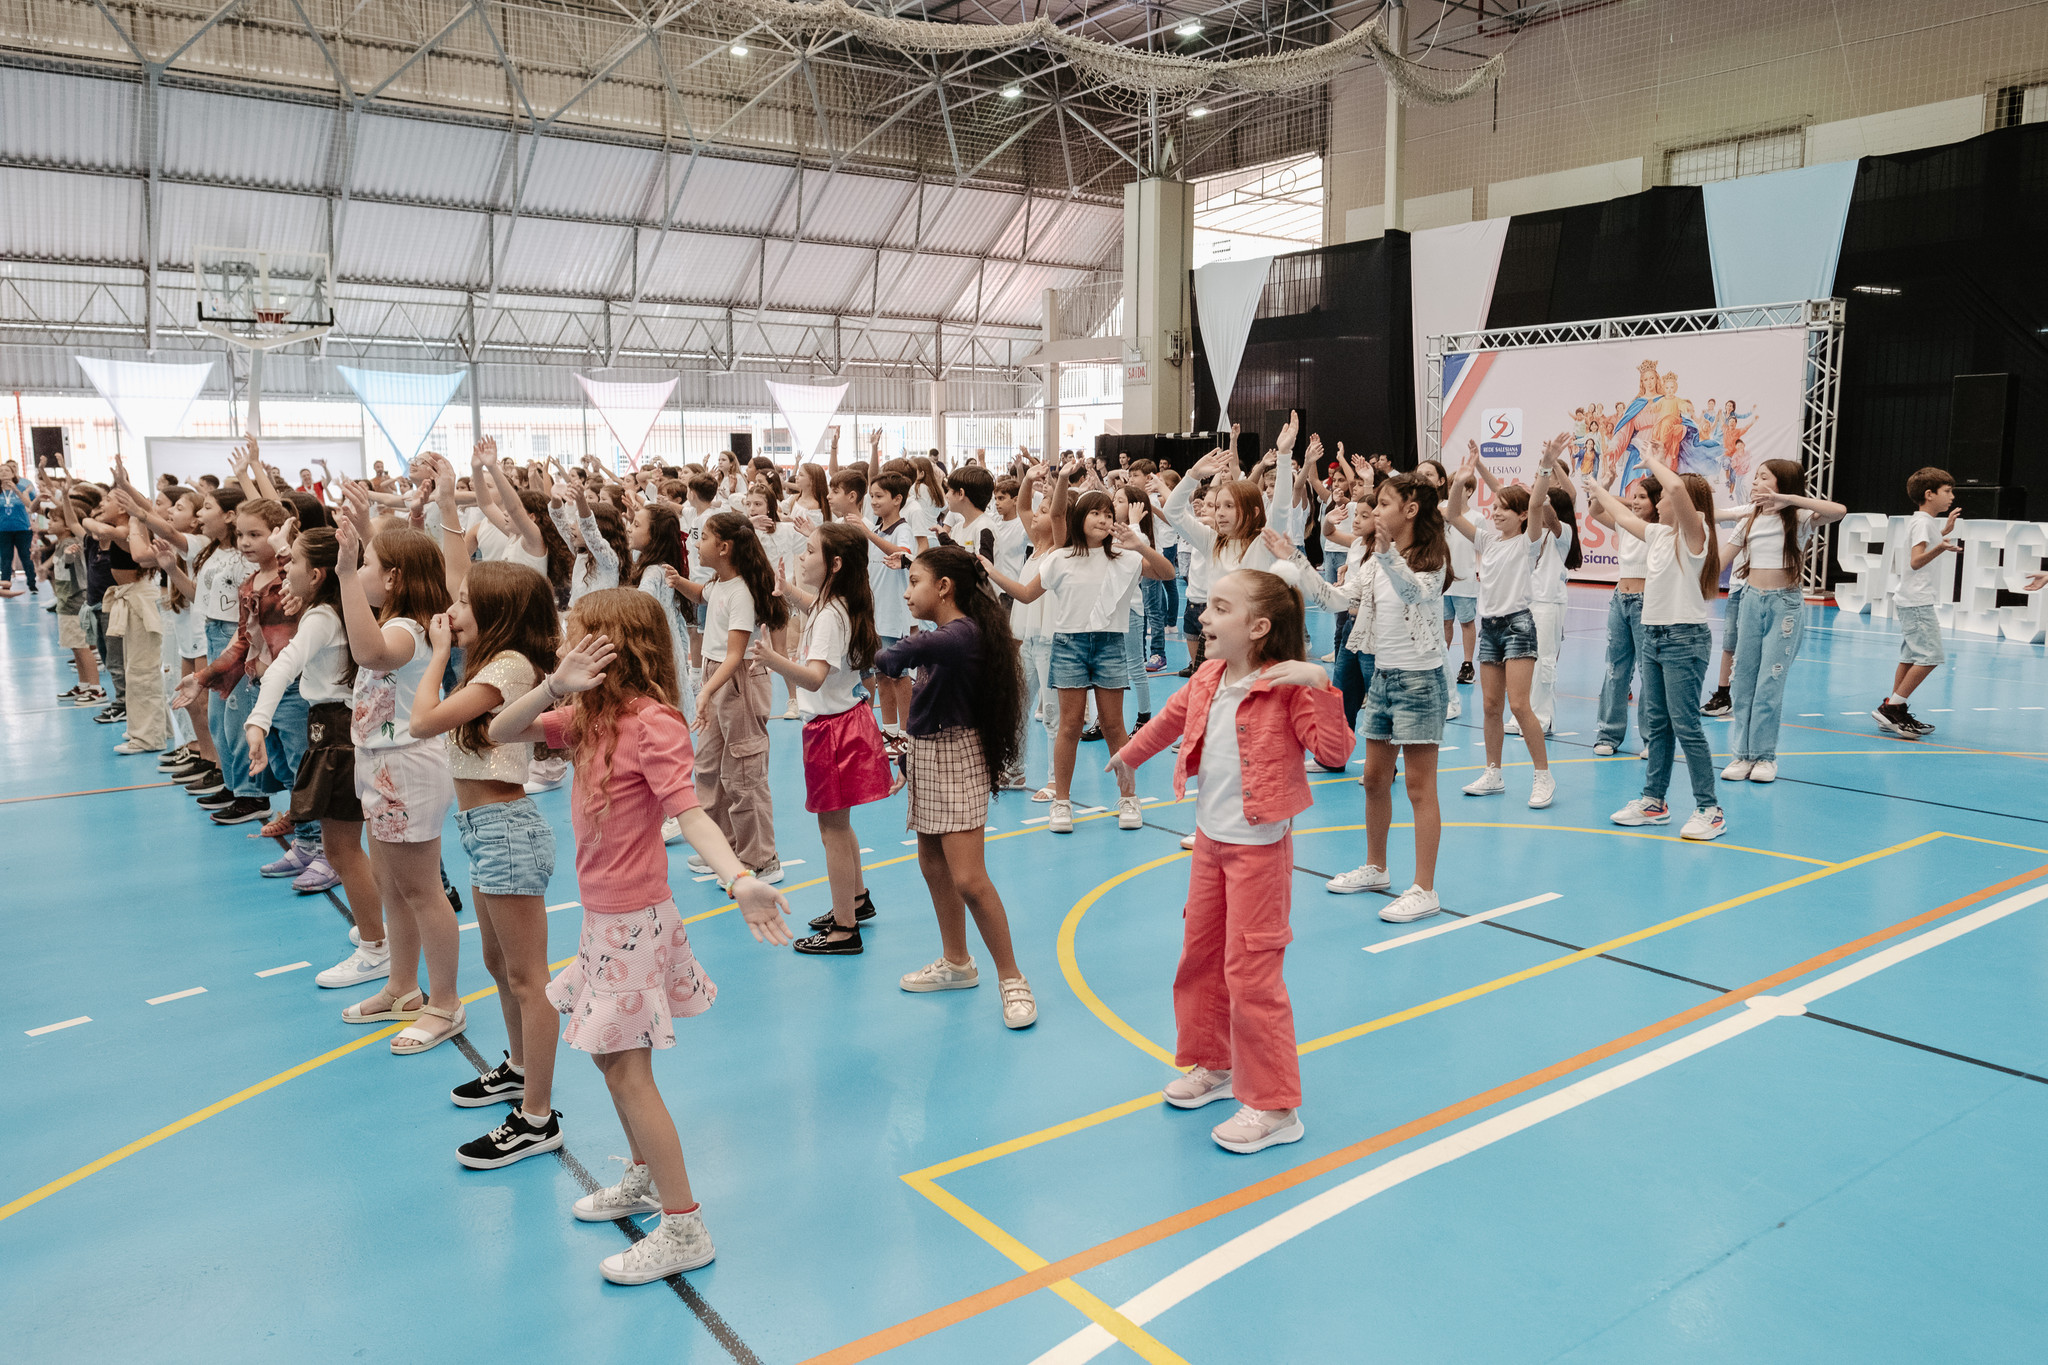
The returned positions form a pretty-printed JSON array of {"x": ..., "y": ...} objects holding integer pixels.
[{"x": 1135, "y": 373}]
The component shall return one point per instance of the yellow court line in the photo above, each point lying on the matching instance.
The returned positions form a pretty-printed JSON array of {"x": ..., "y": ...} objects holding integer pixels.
[{"x": 2024, "y": 848}]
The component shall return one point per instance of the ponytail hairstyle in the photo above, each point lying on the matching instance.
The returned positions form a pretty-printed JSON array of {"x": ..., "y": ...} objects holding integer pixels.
[
  {"x": 1566, "y": 507},
  {"x": 926, "y": 476},
  {"x": 1274, "y": 598},
  {"x": 1702, "y": 494},
  {"x": 323, "y": 552},
  {"x": 765, "y": 467},
  {"x": 996, "y": 697},
  {"x": 644, "y": 669},
  {"x": 1429, "y": 548},
  {"x": 664, "y": 546},
  {"x": 750, "y": 565},
  {"x": 851, "y": 589},
  {"x": 1788, "y": 477},
  {"x": 1077, "y": 522},
  {"x": 420, "y": 592},
  {"x": 514, "y": 608},
  {"x": 1250, "y": 503},
  {"x": 561, "y": 559},
  {"x": 229, "y": 500}
]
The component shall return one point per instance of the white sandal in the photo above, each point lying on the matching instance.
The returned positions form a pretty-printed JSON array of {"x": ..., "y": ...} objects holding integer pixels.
[
  {"x": 423, "y": 1037},
  {"x": 395, "y": 1010}
]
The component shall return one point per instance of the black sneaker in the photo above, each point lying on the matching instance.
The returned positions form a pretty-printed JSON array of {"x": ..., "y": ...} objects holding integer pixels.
[
  {"x": 240, "y": 810},
  {"x": 1143, "y": 716},
  {"x": 78, "y": 692},
  {"x": 1465, "y": 673},
  {"x": 113, "y": 715},
  {"x": 1912, "y": 724},
  {"x": 822, "y": 944},
  {"x": 205, "y": 782},
  {"x": 189, "y": 767},
  {"x": 1720, "y": 704},
  {"x": 1093, "y": 732},
  {"x": 500, "y": 1085},
  {"x": 1892, "y": 716},
  {"x": 216, "y": 800},
  {"x": 1187, "y": 672},
  {"x": 863, "y": 911},
  {"x": 513, "y": 1140}
]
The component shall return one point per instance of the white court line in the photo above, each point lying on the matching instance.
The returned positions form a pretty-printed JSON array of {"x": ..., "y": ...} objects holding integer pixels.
[
  {"x": 52, "y": 1028},
  {"x": 1078, "y": 811},
  {"x": 176, "y": 995},
  {"x": 1945, "y": 710},
  {"x": 1813, "y": 715},
  {"x": 867, "y": 850},
  {"x": 1241, "y": 1250},
  {"x": 1422, "y": 934},
  {"x": 288, "y": 967},
  {"x": 1983, "y": 708},
  {"x": 2030, "y": 708}
]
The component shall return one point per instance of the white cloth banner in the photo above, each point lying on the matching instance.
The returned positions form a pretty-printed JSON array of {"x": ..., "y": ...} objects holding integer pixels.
[
  {"x": 808, "y": 408},
  {"x": 404, "y": 405},
  {"x": 1227, "y": 295},
  {"x": 1451, "y": 271},
  {"x": 629, "y": 410},
  {"x": 150, "y": 400}
]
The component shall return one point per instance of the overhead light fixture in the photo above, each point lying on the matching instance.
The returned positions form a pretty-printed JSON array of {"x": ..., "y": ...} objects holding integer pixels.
[
  {"x": 1199, "y": 111},
  {"x": 1875, "y": 289},
  {"x": 1011, "y": 92},
  {"x": 1189, "y": 29},
  {"x": 739, "y": 49}
]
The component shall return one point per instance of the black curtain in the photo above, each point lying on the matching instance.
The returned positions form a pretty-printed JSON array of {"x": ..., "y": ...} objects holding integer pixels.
[
  {"x": 1330, "y": 339},
  {"x": 1642, "y": 253}
]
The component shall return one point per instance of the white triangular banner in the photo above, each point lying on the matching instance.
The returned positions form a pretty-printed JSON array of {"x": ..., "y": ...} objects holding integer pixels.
[
  {"x": 150, "y": 400},
  {"x": 630, "y": 410},
  {"x": 404, "y": 405},
  {"x": 1227, "y": 295},
  {"x": 808, "y": 408}
]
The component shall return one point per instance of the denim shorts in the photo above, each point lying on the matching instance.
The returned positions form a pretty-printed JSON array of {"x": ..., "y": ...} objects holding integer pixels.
[
  {"x": 1462, "y": 609},
  {"x": 1405, "y": 706},
  {"x": 1089, "y": 658},
  {"x": 511, "y": 848},
  {"x": 1507, "y": 637},
  {"x": 1922, "y": 645}
]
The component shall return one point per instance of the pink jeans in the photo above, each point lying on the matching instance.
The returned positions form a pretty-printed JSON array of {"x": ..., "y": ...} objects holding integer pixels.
[{"x": 1229, "y": 1000}]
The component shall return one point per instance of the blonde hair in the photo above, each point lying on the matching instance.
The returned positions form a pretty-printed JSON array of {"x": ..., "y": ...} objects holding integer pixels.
[{"x": 637, "y": 626}]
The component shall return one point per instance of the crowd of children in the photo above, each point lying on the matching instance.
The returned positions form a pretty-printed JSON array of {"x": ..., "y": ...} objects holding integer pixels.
[{"x": 394, "y": 652}]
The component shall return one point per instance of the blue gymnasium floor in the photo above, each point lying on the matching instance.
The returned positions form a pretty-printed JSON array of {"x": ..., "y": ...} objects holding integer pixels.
[{"x": 1555, "y": 1136}]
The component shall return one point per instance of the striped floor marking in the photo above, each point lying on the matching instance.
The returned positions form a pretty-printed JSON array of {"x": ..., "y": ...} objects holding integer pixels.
[
  {"x": 52, "y": 1028},
  {"x": 175, "y": 995},
  {"x": 288, "y": 967}
]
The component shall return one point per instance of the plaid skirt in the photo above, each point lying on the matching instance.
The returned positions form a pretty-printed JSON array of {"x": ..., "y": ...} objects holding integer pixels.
[{"x": 949, "y": 782}]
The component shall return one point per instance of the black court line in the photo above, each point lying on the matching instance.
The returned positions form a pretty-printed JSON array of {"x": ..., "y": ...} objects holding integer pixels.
[{"x": 684, "y": 1290}]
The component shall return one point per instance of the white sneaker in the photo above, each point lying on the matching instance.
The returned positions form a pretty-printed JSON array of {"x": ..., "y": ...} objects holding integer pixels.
[
  {"x": 1367, "y": 878},
  {"x": 632, "y": 1196},
  {"x": 1763, "y": 770},
  {"x": 1188, "y": 842},
  {"x": 1604, "y": 749},
  {"x": 771, "y": 873},
  {"x": 672, "y": 833},
  {"x": 1020, "y": 1009},
  {"x": 1488, "y": 783},
  {"x": 1642, "y": 811},
  {"x": 942, "y": 976},
  {"x": 1199, "y": 1087},
  {"x": 1128, "y": 816},
  {"x": 1042, "y": 794},
  {"x": 1737, "y": 771},
  {"x": 364, "y": 964},
  {"x": 677, "y": 1244},
  {"x": 792, "y": 713},
  {"x": 1542, "y": 791},
  {"x": 132, "y": 746},
  {"x": 1706, "y": 824},
  {"x": 1412, "y": 904},
  {"x": 1456, "y": 707},
  {"x": 695, "y": 862},
  {"x": 1061, "y": 820},
  {"x": 1511, "y": 725}
]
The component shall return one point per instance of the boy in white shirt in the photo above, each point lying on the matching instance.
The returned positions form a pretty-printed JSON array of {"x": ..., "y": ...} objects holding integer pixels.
[
  {"x": 969, "y": 490},
  {"x": 1920, "y": 587}
]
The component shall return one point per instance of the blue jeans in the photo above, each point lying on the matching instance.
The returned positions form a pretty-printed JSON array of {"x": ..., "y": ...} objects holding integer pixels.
[
  {"x": 285, "y": 746},
  {"x": 1773, "y": 621},
  {"x": 1624, "y": 645},
  {"x": 1674, "y": 659},
  {"x": 1134, "y": 654},
  {"x": 230, "y": 740},
  {"x": 1354, "y": 676},
  {"x": 1159, "y": 596}
]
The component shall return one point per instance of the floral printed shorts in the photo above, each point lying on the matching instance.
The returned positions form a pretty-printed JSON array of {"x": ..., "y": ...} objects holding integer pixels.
[
  {"x": 406, "y": 793},
  {"x": 633, "y": 977}
]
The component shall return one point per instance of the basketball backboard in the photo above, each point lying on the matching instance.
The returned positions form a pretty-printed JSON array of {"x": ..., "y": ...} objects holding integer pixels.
[{"x": 263, "y": 299}]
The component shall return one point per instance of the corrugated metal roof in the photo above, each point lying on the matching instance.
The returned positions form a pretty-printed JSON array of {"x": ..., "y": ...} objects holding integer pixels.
[
  {"x": 961, "y": 219},
  {"x": 199, "y": 215},
  {"x": 390, "y": 241},
  {"x": 693, "y": 266},
  {"x": 600, "y": 179},
  {"x": 569, "y": 258},
  {"x": 846, "y": 207},
  {"x": 49, "y": 215},
  {"x": 812, "y": 275},
  {"x": 920, "y": 285},
  {"x": 67, "y": 120},
  {"x": 409, "y": 158},
  {"x": 732, "y": 194},
  {"x": 222, "y": 137},
  {"x": 1084, "y": 234}
]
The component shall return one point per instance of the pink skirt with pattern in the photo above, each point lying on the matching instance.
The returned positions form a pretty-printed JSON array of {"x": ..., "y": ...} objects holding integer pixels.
[{"x": 633, "y": 977}]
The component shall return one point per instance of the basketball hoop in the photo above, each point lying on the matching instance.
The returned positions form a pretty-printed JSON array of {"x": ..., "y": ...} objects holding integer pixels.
[{"x": 270, "y": 317}]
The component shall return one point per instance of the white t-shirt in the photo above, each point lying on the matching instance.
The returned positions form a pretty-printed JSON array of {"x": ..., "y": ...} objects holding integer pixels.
[
  {"x": 1394, "y": 645},
  {"x": 728, "y": 606},
  {"x": 1671, "y": 589},
  {"x": 1922, "y": 587},
  {"x": 1013, "y": 547},
  {"x": 493, "y": 544},
  {"x": 1547, "y": 579},
  {"x": 828, "y": 638},
  {"x": 1031, "y": 620},
  {"x": 219, "y": 582},
  {"x": 1464, "y": 567},
  {"x": 784, "y": 546},
  {"x": 1632, "y": 554},
  {"x": 1090, "y": 590},
  {"x": 316, "y": 658},
  {"x": 1219, "y": 805},
  {"x": 692, "y": 521},
  {"x": 1506, "y": 567},
  {"x": 892, "y": 613}
]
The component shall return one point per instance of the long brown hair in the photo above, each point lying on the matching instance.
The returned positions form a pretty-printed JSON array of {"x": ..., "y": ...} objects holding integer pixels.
[
  {"x": 996, "y": 696},
  {"x": 514, "y": 609},
  {"x": 1789, "y": 477},
  {"x": 664, "y": 546},
  {"x": 1077, "y": 523},
  {"x": 421, "y": 592},
  {"x": 561, "y": 559},
  {"x": 643, "y": 670},
  {"x": 1429, "y": 549},
  {"x": 323, "y": 552},
  {"x": 851, "y": 589},
  {"x": 1274, "y": 598},
  {"x": 1250, "y": 503},
  {"x": 1702, "y": 494},
  {"x": 229, "y": 500},
  {"x": 750, "y": 565}
]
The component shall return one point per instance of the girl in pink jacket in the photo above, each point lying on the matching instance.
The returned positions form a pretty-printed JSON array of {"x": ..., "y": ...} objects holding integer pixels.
[{"x": 1247, "y": 717}]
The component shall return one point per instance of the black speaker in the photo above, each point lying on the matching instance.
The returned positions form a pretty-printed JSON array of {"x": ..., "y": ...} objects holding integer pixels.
[
  {"x": 1982, "y": 417},
  {"x": 50, "y": 445},
  {"x": 1991, "y": 502},
  {"x": 742, "y": 445}
]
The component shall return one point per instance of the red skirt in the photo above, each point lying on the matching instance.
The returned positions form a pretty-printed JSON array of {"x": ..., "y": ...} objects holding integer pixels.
[{"x": 845, "y": 764}]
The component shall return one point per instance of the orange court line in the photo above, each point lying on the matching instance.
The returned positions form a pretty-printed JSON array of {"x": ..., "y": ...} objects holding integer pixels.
[
  {"x": 96, "y": 791},
  {"x": 903, "y": 1333}
]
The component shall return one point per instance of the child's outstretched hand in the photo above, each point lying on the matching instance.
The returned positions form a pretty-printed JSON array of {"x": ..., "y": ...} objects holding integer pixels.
[
  {"x": 2036, "y": 583},
  {"x": 347, "y": 551},
  {"x": 763, "y": 907},
  {"x": 1298, "y": 672},
  {"x": 186, "y": 692},
  {"x": 583, "y": 666},
  {"x": 1122, "y": 771},
  {"x": 1281, "y": 546}
]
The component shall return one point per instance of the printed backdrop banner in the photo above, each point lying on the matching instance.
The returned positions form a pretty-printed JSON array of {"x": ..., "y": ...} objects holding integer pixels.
[{"x": 1710, "y": 403}]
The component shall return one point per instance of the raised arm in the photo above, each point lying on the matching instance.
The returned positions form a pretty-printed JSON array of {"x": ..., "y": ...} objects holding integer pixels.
[
  {"x": 1062, "y": 488},
  {"x": 374, "y": 646},
  {"x": 1461, "y": 483},
  {"x": 431, "y": 713},
  {"x": 1686, "y": 520},
  {"x": 1612, "y": 510},
  {"x": 1029, "y": 591},
  {"x": 1474, "y": 461},
  {"x": 1128, "y": 537},
  {"x": 517, "y": 522}
]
